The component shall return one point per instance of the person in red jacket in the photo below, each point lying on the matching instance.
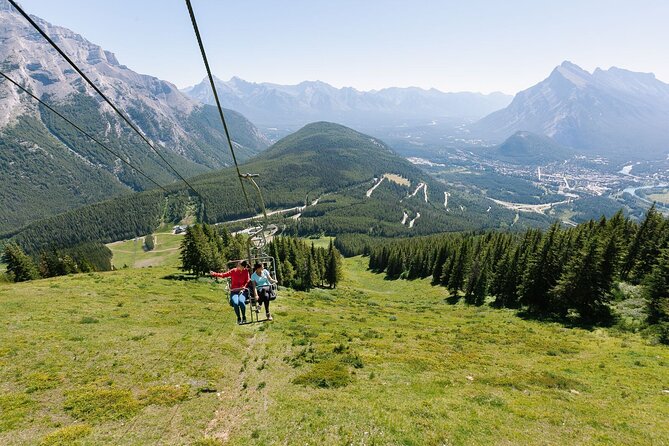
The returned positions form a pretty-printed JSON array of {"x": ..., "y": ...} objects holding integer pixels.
[{"x": 240, "y": 279}]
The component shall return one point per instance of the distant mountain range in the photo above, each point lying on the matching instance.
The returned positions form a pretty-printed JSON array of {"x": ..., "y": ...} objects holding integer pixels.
[
  {"x": 611, "y": 112},
  {"x": 46, "y": 166},
  {"x": 271, "y": 105}
]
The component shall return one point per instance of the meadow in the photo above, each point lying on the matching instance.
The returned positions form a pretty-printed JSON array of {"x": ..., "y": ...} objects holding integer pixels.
[{"x": 135, "y": 357}]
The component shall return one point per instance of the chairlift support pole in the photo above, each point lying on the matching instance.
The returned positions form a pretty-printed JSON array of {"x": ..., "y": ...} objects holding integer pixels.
[{"x": 250, "y": 178}]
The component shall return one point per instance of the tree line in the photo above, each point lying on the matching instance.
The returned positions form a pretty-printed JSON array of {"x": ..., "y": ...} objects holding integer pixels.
[
  {"x": 299, "y": 265},
  {"x": 87, "y": 257},
  {"x": 558, "y": 273},
  {"x": 303, "y": 266},
  {"x": 206, "y": 248}
]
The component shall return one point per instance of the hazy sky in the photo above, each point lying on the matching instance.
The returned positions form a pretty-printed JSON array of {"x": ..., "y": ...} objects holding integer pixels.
[{"x": 452, "y": 45}]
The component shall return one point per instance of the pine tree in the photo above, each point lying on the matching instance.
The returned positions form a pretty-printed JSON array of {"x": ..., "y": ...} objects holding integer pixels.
[
  {"x": 20, "y": 267},
  {"x": 447, "y": 269},
  {"x": 458, "y": 274},
  {"x": 334, "y": 267},
  {"x": 472, "y": 281},
  {"x": 644, "y": 247},
  {"x": 200, "y": 251},
  {"x": 541, "y": 274},
  {"x": 657, "y": 290},
  {"x": 307, "y": 276},
  {"x": 321, "y": 266},
  {"x": 581, "y": 286},
  {"x": 69, "y": 265},
  {"x": 149, "y": 242}
]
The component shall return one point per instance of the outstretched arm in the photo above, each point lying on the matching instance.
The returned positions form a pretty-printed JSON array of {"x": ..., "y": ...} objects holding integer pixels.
[{"x": 220, "y": 275}]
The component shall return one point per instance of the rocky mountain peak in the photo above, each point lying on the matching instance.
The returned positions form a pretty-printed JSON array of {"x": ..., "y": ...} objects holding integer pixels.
[
  {"x": 572, "y": 73},
  {"x": 609, "y": 111}
]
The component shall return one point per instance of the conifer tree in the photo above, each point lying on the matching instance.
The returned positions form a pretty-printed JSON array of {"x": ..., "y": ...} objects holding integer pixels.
[
  {"x": 657, "y": 291},
  {"x": 581, "y": 285},
  {"x": 307, "y": 277},
  {"x": 644, "y": 247},
  {"x": 456, "y": 281},
  {"x": 149, "y": 242},
  {"x": 20, "y": 266},
  {"x": 448, "y": 267},
  {"x": 288, "y": 273},
  {"x": 541, "y": 274},
  {"x": 334, "y": 267}
]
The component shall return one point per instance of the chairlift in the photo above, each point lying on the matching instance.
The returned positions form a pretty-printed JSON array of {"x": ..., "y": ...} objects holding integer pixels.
[{"x": 269, "y": 263}]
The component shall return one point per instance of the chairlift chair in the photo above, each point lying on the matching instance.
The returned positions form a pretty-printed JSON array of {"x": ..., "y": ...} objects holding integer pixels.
[{"x": 270, "y": 264}]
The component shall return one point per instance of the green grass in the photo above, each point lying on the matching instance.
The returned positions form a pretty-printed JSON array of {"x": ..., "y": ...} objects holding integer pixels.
[
  {"x": 130, "y": 253},
  {"x": 320, "y": 242},
  {"x": 372, "y": 362}
]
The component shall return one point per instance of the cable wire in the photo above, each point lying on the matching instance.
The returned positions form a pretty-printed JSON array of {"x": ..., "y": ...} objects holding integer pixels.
[
  {"x": 98, "y": 91},
  {"x": 218, "y": 103},
  {"x": 25, "y": 90}
]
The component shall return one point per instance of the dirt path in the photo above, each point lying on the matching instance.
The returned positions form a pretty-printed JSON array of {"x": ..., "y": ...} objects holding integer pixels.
[
  {"x": 538, "y": 208},
  {"x": 234, "y": 399}
]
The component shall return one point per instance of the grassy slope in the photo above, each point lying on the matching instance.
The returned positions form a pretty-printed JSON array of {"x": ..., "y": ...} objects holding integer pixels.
[
  {"x": 433, "y": 373},
  {"x": 132, "y": 254}
]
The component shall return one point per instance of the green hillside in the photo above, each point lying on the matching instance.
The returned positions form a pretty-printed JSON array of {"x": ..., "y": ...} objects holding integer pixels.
[
  {"x": 48, "y": 167},
  {"x": 530, "y": 148},
  {"x": 129, "y": 357},
  {"x": 322, "y": 160}
]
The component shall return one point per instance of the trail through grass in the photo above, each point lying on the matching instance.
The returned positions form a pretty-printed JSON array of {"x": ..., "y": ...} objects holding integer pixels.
[{"x": 132, "y": 358}]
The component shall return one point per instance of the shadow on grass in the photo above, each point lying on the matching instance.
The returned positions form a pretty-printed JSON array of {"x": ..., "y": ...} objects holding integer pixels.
[
  {"x": 604, "y": 317},
  {"x": 452, "y": 300},
  {"x": 181, "y": 276}
]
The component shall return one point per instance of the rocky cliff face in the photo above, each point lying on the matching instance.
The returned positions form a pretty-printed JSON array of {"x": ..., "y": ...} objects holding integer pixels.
[{"x": 37, "y": 147}]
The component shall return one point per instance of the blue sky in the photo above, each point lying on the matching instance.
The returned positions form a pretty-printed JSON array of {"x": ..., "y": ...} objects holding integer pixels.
[{"x": 463, "y": 45}]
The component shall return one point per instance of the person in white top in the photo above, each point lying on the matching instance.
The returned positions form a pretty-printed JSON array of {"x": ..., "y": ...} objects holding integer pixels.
[{"x": 263, "y": 281}]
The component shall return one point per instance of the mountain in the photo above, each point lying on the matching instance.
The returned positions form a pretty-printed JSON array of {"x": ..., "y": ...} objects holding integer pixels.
[
  {"x": 352, "y": 182},
  {"x": 529, "y": 148},
  {"x": 610, "y": 112},
  {"x": 295, "y": 105},
  {"x": 46, "y": 166}
]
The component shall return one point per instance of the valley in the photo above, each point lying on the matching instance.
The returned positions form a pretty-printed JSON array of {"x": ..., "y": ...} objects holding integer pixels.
[{"x": 559, "y": 189}]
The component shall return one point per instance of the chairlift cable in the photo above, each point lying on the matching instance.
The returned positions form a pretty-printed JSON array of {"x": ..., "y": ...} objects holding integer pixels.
[
  {"x": 218, "y": 102},
  {"x": 57, "y": 113},
  {"x": 98, "y": 91}
]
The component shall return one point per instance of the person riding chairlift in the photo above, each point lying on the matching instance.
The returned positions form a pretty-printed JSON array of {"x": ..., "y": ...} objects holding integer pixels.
[
  {"x": 238, "y": 288},
  {"x": 263, "y": 281}
]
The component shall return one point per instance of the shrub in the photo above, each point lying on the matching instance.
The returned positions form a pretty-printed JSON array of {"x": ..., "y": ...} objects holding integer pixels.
[
  {"x": 329, "y": 374},
  {"x": 66, "y": 436},
  {"x": 149, "y": 242},
  {"x": 96, "y": 404},
  {"x": 14, "y": 407},
  {"x": 164, "y": 395}
]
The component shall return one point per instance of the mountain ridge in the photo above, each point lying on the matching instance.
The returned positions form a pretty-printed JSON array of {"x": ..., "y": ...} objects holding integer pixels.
[
  {"x": 48, "y": 167},
  {"x": 270, "y": 104},
  {"x": 607, "y": 112}
]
